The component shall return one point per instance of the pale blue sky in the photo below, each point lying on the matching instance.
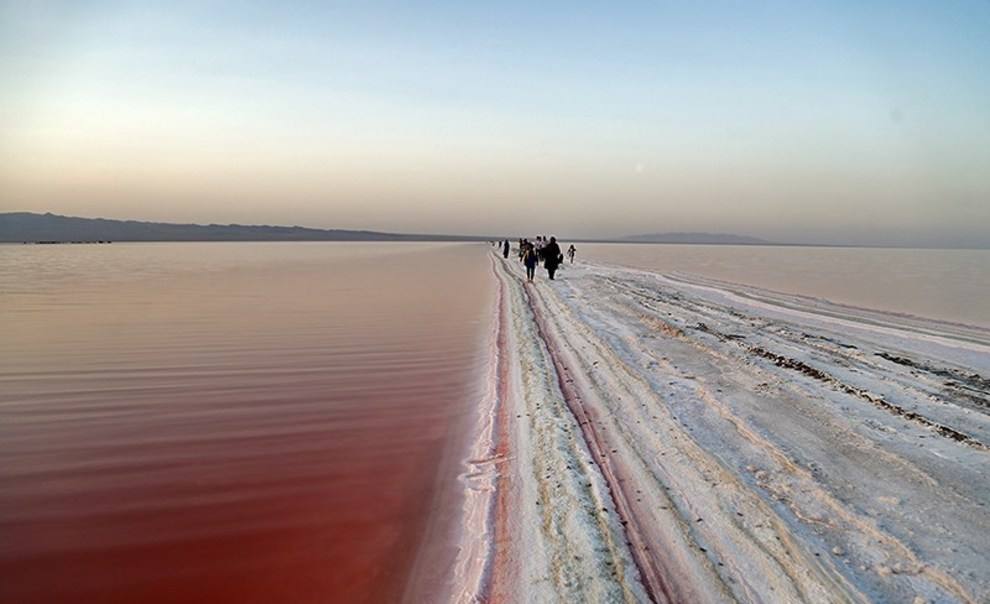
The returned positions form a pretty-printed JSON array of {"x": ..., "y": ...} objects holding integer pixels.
[{"x": 792, "y": 120}]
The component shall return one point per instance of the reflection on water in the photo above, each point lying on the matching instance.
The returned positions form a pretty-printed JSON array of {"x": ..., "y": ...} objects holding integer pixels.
[
  {"x": 248, "y": 422},
  {"x": 951, "y": 285}
]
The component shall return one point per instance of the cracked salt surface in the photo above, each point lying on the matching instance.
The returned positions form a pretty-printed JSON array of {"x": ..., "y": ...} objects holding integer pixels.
[{"x": 673, "y": 438}]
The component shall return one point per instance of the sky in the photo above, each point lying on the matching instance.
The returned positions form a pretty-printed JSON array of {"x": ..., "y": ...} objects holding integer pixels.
[{"x": 836, "y": 122}]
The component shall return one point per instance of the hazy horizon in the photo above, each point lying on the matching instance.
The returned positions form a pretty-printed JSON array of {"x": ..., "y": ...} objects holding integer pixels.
[
  {"x": 833, "y": 123},
  {"x": 667, "y": 237}
]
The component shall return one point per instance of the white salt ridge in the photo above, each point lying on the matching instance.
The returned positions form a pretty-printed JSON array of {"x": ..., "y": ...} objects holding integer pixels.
[
  {"x": 472, "y": 564},
  {"x": 755, "y": 446}
]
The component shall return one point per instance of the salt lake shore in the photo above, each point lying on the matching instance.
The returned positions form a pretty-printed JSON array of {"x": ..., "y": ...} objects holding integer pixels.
[{"x": 670, "y": 438}]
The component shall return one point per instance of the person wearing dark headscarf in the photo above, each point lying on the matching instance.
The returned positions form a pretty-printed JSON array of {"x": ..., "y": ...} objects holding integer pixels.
[{"x": 552, "y": 257}]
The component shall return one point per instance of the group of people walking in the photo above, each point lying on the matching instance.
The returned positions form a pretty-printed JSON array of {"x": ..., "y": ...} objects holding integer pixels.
[{"x": 542, "y": 249}]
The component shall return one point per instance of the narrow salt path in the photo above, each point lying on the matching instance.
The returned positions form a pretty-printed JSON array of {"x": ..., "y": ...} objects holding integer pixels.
[
  {"x": 671, "y": 439},
  {"x": 557, "y": 535}
]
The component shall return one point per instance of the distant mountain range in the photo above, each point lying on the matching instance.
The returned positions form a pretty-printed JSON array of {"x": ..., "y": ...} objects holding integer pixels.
[
  {"x": 709, "y": 238},
  {"x": 31, "y": 227},
  {"x": 52, "y": 228}
]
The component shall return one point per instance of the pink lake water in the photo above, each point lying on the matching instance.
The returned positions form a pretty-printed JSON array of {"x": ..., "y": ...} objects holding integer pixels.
[{"x": 242, "y": 422}]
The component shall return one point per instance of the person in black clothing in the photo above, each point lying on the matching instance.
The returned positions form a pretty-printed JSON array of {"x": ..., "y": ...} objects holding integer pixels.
[
  {"x": 529, "y": 259},
  {"x": 505, "y": 248},
  {"x": 552, "y": 257}
]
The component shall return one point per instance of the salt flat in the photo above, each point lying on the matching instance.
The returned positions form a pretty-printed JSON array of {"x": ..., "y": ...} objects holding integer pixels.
[{"x": 671, "y": 438}]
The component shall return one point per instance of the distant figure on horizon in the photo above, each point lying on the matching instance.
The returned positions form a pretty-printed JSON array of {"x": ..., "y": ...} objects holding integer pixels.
[
  {"x": 570, "y": 252},
  {"x": 530, "y": 260},
  {"x": 552, "y": 257},
  {"x": 505, "y": 248}
]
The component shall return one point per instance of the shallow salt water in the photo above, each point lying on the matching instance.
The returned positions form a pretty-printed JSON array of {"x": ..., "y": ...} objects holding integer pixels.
[
  {"x": 252, "y": 422},
  {"x": 949, "y": 285}
]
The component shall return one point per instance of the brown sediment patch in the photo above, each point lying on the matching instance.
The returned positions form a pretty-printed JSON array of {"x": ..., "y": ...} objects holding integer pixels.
[
  {"x": 879, "y": 401},
  {"x": 971, "y": 386},
  {"x": 663, "y": 327},
  {"x": 789, "y": 363},
  {"x": 974, "y": 380},
  {"x": 721, "y": 336}
]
